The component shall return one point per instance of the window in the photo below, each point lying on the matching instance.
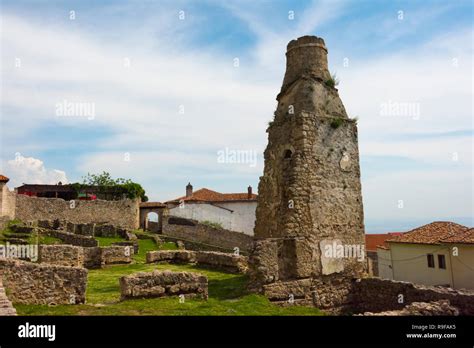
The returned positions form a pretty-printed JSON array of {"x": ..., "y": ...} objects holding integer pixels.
[
  {"x": 430, "y": 259},
  {"x": 441, "y": 261}
]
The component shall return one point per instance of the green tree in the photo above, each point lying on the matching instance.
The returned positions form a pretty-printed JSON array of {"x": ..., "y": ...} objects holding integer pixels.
[{"x": 132, "y": 189}]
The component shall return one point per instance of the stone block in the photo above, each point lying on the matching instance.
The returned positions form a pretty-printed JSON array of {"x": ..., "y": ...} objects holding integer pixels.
[{"x": 164, "y": 283}]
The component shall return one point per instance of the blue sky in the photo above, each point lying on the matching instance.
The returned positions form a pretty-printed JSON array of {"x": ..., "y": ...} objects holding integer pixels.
[{"x": 168, "y": 96}]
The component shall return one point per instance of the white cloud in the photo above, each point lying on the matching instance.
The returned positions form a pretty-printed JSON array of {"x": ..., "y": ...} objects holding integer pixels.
[
  {"x": 29, "y": 170},
  {"x": 229, "y": 107}
]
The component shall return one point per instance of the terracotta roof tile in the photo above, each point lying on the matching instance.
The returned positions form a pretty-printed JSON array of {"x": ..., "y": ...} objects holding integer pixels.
[
  {"x": 206, "y": 195},
  {"x": 3, "y": 178},
  {"x": 435, "y": 233},
  {"x": 372, "y": 241}
]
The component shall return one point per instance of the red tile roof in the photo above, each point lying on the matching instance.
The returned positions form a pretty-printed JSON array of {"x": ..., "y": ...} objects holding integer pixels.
[
  {"x": 372, "y": 241},
  {"x": 206, "y": 195},
  {"x": 436, "y": 233},
  {"x": 3, "y": 178}
]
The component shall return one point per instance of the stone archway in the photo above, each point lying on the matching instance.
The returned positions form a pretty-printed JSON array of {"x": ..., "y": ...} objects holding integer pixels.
[{"x": 151, "y": 207}]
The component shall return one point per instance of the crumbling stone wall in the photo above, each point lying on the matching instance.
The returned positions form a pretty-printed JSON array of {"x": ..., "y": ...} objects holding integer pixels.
[
  {"x": 6, "y": 306},
  {"x": 116, "y": 255},
  {"x": 87, "y": 257},
  {"x": 32, "y": 283},
  {"x": 62, "y": 255},
  {"x": 73, "y": 239},
  {"x": 164, "y": 283},
  {"x": 201, "y": 233},
  {"x": 442, "y": 307},
  {"x": 310, "y": 192},
  {"x": 124, "y": 213},
  {"x": 379, "y": 295},
  {"x": 224, "y": 261}
]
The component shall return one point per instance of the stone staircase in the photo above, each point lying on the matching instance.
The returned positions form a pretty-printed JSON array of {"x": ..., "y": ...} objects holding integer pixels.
[{"x": 6, "y": 307}]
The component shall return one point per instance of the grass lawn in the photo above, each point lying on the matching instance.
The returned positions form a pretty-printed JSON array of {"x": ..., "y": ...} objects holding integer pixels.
[
  {"x": 227, "y": 294},
  {"x": 226, "y": 297}
]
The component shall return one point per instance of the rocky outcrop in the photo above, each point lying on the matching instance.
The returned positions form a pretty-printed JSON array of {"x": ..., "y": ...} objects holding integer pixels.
[{"x": 162, "y": 284}]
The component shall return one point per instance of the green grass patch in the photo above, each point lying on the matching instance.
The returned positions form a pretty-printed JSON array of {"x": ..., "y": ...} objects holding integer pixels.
[
  {"x": 227, "y": 296},
  {"x": 168, "y": 246},
  {"x": 107, "y": 241}
]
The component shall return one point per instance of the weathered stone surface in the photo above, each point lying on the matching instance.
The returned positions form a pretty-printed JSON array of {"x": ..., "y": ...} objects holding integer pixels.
[
  {"x": 179, "y": 256},
  {"x": 72, "y": 238},
  {"x": 310, "y": 190},
  {"x": 132, "y": 244},
  {"x": 88, "y": 257},
  {"x": 437, "y": 308},
  {"x": 92, "y": 257},
  {"x": 6, "y": 307},
  {"x": 116, "y": 255},
  {"x": 163, "y": 283},
  {"x": 378, "y": 295},
  {"x": 32, "y": 283},
  {"x": 124, "y": 213},
  {"x": 62, "y": 255},
  {"x": 224, "y": 261},
  {"x": 202, "y": 233}
]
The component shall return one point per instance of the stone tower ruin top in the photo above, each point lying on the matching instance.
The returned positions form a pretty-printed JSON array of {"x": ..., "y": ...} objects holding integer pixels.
[{"x": 306, "y": 56}]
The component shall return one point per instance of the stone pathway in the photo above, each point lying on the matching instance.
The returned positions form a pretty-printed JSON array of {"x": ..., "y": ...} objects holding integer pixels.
[{"x": 6, "y": 307}]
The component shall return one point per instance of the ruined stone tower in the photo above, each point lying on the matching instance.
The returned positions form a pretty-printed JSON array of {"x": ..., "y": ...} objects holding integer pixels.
[{"x": 309, "y": 197}]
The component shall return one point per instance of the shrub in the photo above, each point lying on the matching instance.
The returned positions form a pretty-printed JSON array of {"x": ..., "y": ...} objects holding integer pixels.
[
  {"x": 333, "y": 81},
  {"x": 336, "y": 123}
]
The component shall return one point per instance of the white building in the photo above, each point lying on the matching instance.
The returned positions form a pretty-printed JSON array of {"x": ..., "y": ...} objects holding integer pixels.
[
  {"x": 440, "y": 253},
  {"x": 232, "y": 211}
]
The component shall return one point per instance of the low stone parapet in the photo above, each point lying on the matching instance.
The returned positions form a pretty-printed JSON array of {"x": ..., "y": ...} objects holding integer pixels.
[
  {"x": 177, "y": 256},
  {"x": 73, "y": 239},
  {"x": 380, "y": 295},
  {"x": 33, "y": 283},
  {"x": 87, "y": 257},
  {"x": 116, "y": 255},
  {"x": 435, "y": 308},
  {"x": 162, "y": 284},
  {"x": 61, "y": 255},
  {"x": 224, "y": 261}
]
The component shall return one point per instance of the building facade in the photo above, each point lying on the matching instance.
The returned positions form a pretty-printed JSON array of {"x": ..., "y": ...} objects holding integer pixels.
[
  {"x": 440, "y": 253},
  {"x": 232, "y": 211}
]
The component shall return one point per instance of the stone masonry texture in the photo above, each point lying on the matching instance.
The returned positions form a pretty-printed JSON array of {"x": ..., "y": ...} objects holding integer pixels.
[
  {"x": 310, "y": 191},
  {"x": 32, "y": 283},
  {"x": 123, "y": 213},
  {"x": 202, "y": 233},
  {"x": 164, "y": 283},
  {"x": 223, "y": 261}
]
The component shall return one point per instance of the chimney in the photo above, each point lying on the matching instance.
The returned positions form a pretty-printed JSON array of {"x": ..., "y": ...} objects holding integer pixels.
[
  {"x": 189, "y": 190},
  {"x": 249, "y": 192}
]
